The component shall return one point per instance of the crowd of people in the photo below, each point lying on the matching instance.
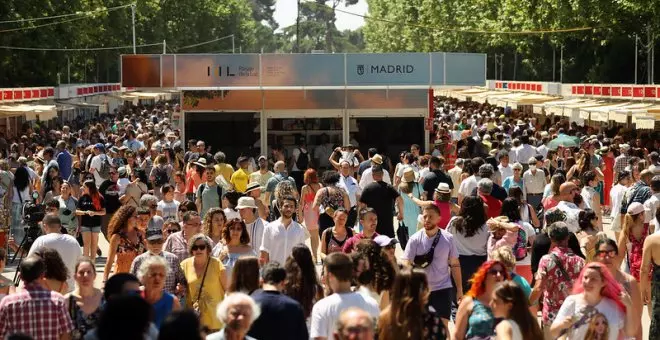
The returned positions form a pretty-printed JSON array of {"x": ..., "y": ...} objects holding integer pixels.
[{"x": 498, "y": 222}]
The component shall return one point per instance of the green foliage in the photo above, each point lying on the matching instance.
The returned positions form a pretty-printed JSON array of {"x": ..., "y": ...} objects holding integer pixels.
[
  {"x": 603, "y": 54},
  {"x": 180, "y": 23}
]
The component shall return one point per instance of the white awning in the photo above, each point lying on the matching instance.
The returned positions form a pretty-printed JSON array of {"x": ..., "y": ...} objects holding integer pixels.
[{"x": 45, "y": 112}]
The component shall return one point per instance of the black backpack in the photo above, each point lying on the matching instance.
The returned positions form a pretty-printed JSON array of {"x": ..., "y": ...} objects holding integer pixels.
[
  {"x": 160, "y": 176},
  {"x": 303, "y": 160}
]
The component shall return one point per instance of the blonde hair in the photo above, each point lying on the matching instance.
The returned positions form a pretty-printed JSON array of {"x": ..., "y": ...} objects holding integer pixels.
[{"x": 504, "y": 255}]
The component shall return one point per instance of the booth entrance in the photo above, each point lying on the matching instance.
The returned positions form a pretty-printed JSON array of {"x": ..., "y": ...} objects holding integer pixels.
[{"x": 230, "y": 132}]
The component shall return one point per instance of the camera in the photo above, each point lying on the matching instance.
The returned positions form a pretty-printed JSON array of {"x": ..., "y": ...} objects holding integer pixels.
[{"x": 33, "y": 213}]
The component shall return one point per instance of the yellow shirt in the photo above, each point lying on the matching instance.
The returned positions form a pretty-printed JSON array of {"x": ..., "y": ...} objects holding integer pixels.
[
  {"x": 212, "y": 292},
  {"x": 225, "y": 170},
  {"x": 239, "y": 179}
]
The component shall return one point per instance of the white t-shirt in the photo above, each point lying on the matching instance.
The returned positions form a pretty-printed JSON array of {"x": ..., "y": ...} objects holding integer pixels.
[
  {"x": 326, "y": 312},
  {"x": 473, "y": 245},
  {"x": 97, "y": 162},
  {"x": 123, "y": 183},
  {"x": 168, "y": 210},
  {"x": 468, "y": 185},
  {"x": 66, "y": 246},
  {"x": 574, "y": 305}
]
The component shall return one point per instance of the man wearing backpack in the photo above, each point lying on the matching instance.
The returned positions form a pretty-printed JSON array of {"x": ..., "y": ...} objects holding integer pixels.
[
  {"x": 100, "y": 165},
  {"x": 300, "y": 162},
  {"x": 209, "y": 194},
  {"x": 274, "y": 182},
  {"x": 557, "y": 271}
]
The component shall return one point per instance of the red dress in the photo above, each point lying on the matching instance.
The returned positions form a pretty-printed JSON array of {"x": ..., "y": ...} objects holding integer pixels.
[
  {"x": 635, "y": 254},
  {"x": 608, "y": 175}
]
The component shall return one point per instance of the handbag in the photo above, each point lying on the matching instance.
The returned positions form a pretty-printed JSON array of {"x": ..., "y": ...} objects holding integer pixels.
[
  {"x": 402, "y": 234},
  {"x": 195, "y": 305},
  {"x": 425, "y": 260}
]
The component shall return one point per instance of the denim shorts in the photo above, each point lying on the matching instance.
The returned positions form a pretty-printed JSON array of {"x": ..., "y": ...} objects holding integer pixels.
[{"x": 96, "y": 230}]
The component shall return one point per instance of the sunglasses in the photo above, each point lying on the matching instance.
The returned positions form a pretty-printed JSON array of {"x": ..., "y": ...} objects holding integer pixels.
[
  {"x": 603, "y": 254},
  {"x": 198, "y": 247},
  {"x": 495, "y": 271},
  {"x": 183, "y": 210},
  {"x": 172, "y": 231}
]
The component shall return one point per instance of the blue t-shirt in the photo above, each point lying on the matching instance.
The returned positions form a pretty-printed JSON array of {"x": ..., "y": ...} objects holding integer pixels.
[
  {"x": 522, "y": 283},
  {"x": 437, "y": 272}
]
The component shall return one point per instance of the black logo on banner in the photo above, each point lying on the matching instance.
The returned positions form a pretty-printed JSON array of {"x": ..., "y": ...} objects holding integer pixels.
[
  {"x": 385, "y": 69},
  {"x": 229, "y": 71}
]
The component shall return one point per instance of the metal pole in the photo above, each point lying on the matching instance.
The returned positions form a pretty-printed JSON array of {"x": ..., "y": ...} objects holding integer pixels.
[
  {"x": 554, "y": 62},
  {"x": 653, "y": 59},
  {"x": 561, "y": 64},
  {"x": 68, "y": 70},
  {"x": 164, "y": 46},
  {"x": 636, "y": 58},
  {"x": 648, "y": 55},
  {"x": 233, "y": 44},
  {"x": 133, "y": 19},
  {"x": 298, "y": 28},
  {"x": 495, "y": 75},
  {"x": 515, "y": 64},
  {"x": 501, "y": 66}
]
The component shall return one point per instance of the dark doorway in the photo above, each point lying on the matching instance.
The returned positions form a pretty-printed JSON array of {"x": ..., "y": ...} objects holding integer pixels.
[
  {"x": 389, "y": 135},
  {"x": 230, "y": 132}
]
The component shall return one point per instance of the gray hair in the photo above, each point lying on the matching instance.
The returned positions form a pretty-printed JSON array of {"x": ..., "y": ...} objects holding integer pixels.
[
  {"x": 233, "y": 299},
  {"x": 459, "y": 162},
  {"x": 517, "y": 165},
  {"x": 150, "y": 262},
  {"x": 486, "y": 171},
  {"x": 196, "y": 238},
  {"x": 148, "y": 200},
  {"x": 485, "y": 186}
]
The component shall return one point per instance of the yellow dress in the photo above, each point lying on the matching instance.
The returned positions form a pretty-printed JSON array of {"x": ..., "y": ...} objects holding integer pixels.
[{"x": 212, "y": 293}]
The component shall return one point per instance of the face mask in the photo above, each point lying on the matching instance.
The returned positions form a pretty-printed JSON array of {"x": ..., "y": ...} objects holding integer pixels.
[{"x": 532, "y": 167}]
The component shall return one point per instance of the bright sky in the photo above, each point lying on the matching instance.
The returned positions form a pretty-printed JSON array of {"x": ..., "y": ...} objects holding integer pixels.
[{"x": 285, "y": 14}]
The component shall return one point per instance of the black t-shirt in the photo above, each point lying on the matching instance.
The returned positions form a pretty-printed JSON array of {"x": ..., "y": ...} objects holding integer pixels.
[
  {"x": 278, "y": 312},
  {"x": 542, "y": 247},
  {"x": 380, "y": 196},
  {"x": 110, "y": 192},
  {"x": 85, "y": 204},
  {"x": 432, "y": 179},
  {"x": 498, "y": 192}
]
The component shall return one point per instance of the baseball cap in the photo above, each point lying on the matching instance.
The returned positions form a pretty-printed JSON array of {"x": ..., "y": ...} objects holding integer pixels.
[
  {"x": 154, "y": 234},
  {"x": 635, "y": 208},
  {"x": 99, "y": 146},
  {"x": 384, "y": 240}
]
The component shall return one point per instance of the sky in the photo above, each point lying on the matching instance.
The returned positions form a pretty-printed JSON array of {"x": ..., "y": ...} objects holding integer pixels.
[{"x": 285, "y": 14}]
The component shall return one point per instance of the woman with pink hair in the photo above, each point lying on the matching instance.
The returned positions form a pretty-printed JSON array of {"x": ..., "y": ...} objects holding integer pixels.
[{"x": 595, "y": 293}]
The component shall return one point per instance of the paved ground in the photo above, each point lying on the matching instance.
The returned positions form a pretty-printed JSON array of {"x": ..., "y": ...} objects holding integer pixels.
[{"x": 10, "y": 270}]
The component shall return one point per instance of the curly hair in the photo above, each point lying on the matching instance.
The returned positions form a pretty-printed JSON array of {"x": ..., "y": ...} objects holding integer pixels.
[
  {"x": 478, "y": 280},
  {"x": 55, "y": 268},
  {"x": 383, "y": 269},
  {"x": 119, "y": 221},
  {"x": 473, "y": 216},
  {"x": 207, "y": 224},
  {"x": 302, "y": 282},
  {"x": 226, "y": 233}
]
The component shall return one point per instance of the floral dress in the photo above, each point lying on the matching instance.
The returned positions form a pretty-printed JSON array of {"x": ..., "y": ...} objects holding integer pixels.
[
  {"x": 127, "y": 251},
  {"x": 635, "y": 253},
  {"x": 434, "y": 329},
  {"x": 82, "y": 322}
]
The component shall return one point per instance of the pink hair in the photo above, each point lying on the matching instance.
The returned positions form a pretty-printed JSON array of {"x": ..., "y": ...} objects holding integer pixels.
[{"x": 612, "y": 288}]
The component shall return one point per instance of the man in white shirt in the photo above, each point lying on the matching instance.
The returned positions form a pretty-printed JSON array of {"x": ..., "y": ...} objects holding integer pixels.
[
  {"x": 247, "y": 207},
  {"x": 455, "y": 175},
  {"x": 651, "y": 205},
  {"x": 543, "y": 149},
  {"x": 351, "y": 186},
  {"x": 505, "y": 168},
  {"x": 367, "y": 176},
  {"x": 525, "y": 151},
  {"x": 534, "y": 183},
  {"x": 97, "y": 163},
  {"x": 470, "y": 183},
  {"x": 281, "y": 235},
  {"x": 326, "y": 312},
  {"x": 66, "y": 245}
]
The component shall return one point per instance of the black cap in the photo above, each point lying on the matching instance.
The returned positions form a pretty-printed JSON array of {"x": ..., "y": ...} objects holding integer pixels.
[{"x": 154, "y": 234}]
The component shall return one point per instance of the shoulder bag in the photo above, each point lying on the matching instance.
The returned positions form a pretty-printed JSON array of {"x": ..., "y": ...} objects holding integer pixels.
[
  {"x": 425, "y": 260},
  {"x": 196, "y": 307}
]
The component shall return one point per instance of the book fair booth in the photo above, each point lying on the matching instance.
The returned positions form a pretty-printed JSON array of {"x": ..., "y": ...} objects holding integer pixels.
[{"x": 248, "y": 103}]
